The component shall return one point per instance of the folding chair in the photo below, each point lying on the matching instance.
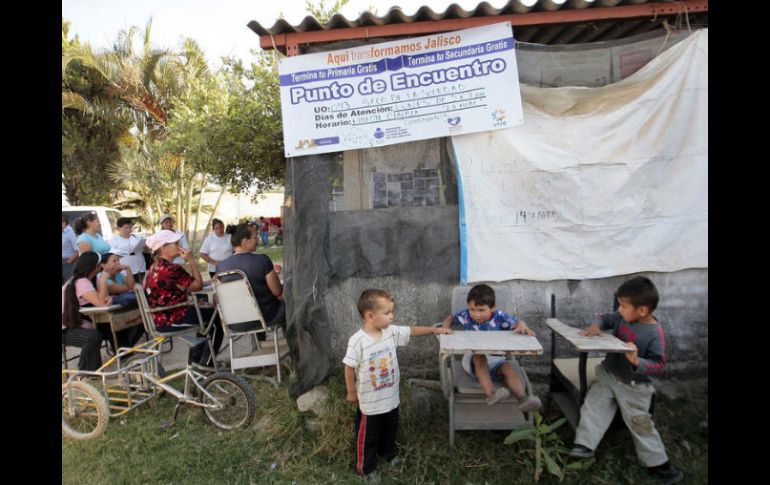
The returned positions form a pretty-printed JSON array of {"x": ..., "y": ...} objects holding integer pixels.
[
  {"x": 238, "y": 307},
  {"x": 468, "y": 408},
  {"x": 183, "y": 334}
]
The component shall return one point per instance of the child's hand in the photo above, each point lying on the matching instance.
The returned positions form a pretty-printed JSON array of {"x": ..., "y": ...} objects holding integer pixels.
[
  {"x": 523, "y": 328},
  {"x": 442, "y": 330},
  {"x": 352, "y": 397},
  {"x": 592, "y": 331},
  {"x": 632, "y": 357}
]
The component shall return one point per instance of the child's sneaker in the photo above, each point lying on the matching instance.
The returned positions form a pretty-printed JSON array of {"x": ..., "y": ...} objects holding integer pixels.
[
  {"x": 580, "y": 451},
  {"x": 373, "y": 477},
  {"x": 530, "y": 403},
  {"x": 667, "y": 473},
  {"x": 500, "y": 394}
]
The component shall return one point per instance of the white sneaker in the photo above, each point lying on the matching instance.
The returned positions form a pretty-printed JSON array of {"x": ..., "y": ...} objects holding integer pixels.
[
  {"x": 500, "y": 394},
  {"x": 529, "y": 403}
]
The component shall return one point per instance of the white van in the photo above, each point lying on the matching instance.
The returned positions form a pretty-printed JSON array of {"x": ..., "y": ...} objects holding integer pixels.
[{"x": 108, "y": 217}]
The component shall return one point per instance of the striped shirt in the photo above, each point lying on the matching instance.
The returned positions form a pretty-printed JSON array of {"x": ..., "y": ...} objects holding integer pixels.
[{"x": 649, "y": 340}]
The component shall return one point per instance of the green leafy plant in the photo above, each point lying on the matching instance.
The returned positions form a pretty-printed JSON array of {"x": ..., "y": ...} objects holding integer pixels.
[{"x": 549, "y": 449}]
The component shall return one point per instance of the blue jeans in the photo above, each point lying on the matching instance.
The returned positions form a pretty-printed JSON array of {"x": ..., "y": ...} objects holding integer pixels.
[
  {"x": 265, "y": 238},
  {"x": 126, "y": 298}
]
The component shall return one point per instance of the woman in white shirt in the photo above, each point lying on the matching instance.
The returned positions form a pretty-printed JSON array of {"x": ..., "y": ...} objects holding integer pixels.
[
  {"x": 123, "y": 244},
  {"x": 216, "y": 247}
]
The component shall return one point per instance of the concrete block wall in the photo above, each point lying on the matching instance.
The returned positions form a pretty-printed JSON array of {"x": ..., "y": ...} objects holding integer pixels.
[{"x": 683, "y": 312}]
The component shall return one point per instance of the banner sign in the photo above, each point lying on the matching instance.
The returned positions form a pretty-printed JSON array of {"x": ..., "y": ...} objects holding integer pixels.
[
  {"x": 394, "y": 92},
  {"x": 598, "y": 182}
]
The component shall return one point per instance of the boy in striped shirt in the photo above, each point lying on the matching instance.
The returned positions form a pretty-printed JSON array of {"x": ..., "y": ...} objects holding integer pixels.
[{"x": 622, "y": 379}]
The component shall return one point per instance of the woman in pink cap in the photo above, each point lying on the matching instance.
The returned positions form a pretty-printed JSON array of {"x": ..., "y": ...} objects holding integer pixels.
[{"x": 167, "y": 283}]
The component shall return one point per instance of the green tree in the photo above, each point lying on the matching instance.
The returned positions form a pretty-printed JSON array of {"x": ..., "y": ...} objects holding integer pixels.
[
  {"x": 92, "y": 125},
  {"x": 321, "y": 12}
]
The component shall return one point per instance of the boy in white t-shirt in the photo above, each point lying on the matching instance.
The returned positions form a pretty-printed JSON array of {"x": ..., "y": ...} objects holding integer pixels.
[{"x": 371, "y": 361}]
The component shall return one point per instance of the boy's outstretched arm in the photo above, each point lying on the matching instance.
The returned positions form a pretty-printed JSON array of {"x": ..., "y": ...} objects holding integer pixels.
[
  {"x": 418, "y": 331},
  {"x": 350, "y": 383},
  {"x": 447, "y": 321}
]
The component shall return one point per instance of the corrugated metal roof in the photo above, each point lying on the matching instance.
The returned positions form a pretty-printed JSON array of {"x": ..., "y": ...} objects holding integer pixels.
[{"x": 546, "y": 33}]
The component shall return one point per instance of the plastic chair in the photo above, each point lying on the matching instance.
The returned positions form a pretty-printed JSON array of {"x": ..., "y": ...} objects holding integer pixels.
[
  {"x": 153, "y": 332},
  {"x": 240, "y": 314},
  {"x": 468, "y": 408}
]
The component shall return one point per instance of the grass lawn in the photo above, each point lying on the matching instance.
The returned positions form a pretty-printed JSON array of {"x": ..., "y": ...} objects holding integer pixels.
[{"x": 277, "y": 448}]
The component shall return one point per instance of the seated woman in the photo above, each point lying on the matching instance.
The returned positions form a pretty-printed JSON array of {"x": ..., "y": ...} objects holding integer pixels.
[
  {"x": 88, "y": 229},
  {"x": 118, "y": 278},
  {"x": 262, "y": 277},
  {"x": 168, "y": 284},
  {"x": 120, "y": 294},
  {"x": 78, "y": 291}
]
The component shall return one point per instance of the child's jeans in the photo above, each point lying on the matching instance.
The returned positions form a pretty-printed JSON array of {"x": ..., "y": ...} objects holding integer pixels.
[{"x": 604, "y": 397}]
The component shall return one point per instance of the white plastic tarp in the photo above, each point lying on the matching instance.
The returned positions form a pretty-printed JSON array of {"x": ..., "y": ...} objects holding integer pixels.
[{"x": 597, "y": 182}]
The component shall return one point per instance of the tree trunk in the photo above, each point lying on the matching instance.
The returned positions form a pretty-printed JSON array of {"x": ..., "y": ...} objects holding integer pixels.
[
  {"x": 187, "y": 218},
  {"x": 179, "y": 192},
  {"x": 214, "y": 211},
  {"x": 198, "y": 210},
  {"x": 160, "y": 209}
]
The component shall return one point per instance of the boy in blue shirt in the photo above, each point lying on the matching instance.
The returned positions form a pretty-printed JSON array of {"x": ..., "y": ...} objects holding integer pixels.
[
  {"x": 482, "y": 316},
  {"x": 622, "y": 380}
]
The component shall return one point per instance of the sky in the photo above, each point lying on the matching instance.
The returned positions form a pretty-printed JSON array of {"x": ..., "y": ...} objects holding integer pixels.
[{"x": 219, "y": 27}]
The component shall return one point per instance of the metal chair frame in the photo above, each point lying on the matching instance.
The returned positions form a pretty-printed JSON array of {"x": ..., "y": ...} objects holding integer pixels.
[{"x": 237, "y": 304}]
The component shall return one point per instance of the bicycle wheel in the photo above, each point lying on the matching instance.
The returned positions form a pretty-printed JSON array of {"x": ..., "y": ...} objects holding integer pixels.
[
  {"x": 84, "y": 412},
  {"x": 237, "y": 397}
]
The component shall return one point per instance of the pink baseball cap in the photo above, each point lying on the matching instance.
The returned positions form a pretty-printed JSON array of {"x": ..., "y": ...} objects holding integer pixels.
[{"x": 157, "y": 240}]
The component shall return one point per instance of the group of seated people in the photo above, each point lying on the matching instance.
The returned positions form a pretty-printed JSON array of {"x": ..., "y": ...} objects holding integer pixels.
[{"x": 100, "y": 278}]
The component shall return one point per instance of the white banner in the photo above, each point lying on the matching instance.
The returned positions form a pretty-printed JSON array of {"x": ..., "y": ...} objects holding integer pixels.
[
  {"x": 598, "y": 182},
  {"x": 406, "y": 90}
]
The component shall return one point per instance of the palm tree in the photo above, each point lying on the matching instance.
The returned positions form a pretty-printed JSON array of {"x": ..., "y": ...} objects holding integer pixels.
[{"x": 125, "y": 75}]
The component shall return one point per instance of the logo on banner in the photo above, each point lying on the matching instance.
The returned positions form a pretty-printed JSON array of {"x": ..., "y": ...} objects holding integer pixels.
[
  {"x": 379, "y": 135},
  {"x": 498, "y": 117},
  {"x": 305, "y": 144},
  {"x": 454, "y": 123}
]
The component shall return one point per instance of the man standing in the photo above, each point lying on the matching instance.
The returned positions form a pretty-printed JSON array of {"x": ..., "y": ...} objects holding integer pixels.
[
  {"x": 69, "y": 249},
  {"x": 167, "y": 223}
]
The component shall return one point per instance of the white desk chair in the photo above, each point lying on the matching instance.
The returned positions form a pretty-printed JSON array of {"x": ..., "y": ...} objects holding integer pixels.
[
  {"x": 238, "y": 307},
  {"x": 468, "y": 408}
]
